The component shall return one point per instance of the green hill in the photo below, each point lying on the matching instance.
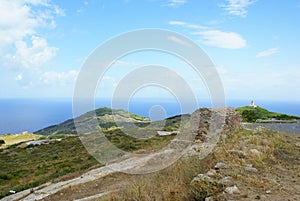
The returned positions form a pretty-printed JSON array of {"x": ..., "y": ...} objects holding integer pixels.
[
  {"x": 251, "y": 114},
  {"x": 106, "y": 117}
]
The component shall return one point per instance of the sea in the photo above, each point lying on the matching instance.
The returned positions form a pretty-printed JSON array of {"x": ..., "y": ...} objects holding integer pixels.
[{"x": 21, "y": 115}]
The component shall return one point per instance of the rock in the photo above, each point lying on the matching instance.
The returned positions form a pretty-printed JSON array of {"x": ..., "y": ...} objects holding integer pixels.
[
  {"x": 232, "y": 190},
  {"x": 220, "y": 165},
  {"x": 12, "y": 191},
  {"x": 239, "y": 153},
  {"x": 212, "y": 173},
  {"x": 214, "y": 121},
  {"x": 268, "y": 191},
  {"x": 265, "y": 142},
  {"x": 226, "y": 181},
  {"x": 208, "y": 199},
  {"x": 201, "y": 177},
  {"x": 255, "y": 152},
  {"x": 249, "y": 168}
]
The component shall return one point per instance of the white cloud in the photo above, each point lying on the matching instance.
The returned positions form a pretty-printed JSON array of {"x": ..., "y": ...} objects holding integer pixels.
[
  {"x": 187, "y": 25},
  {"x": 178, "y": 40},
  {"x": 21, "y": 18},
  {"x": 35, "y": 56},
  {"x": 217, "y": 38},
  {"x": 213, "y": 37},
  {"x": 176, "y": 3},
  {"x": 267, "y": 52},
  {"x": 237, "y": 7},
  {"x": 271, "y": 85},
  {"x": 19, "y": 77},
  {"x": 21, "y": 40},
  {"x": 59, "y": 78}
]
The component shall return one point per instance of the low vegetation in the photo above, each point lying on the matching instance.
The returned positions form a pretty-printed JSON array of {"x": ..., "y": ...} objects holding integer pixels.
[
  {"x": 251, "y": 114},
  {"x": 25, "y": 166},
  {"x": 107, "y": 118}
]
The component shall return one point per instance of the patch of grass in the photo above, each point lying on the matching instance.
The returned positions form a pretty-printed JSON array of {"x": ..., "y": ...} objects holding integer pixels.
[
  {"x": 130, "y": 144},
  {"x": 11, "y": 139},
  {"x": 31, "y": 166},
  {"x": 172, "y": 183},
  {"x": 251, "y": 114}
]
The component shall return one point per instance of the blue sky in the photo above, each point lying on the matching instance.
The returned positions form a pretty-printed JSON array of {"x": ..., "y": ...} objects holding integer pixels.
[{"x": 253, "y": 43}]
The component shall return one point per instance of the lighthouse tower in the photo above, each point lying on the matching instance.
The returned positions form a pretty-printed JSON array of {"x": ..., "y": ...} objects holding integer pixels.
[{"x": 252, "y": 104}]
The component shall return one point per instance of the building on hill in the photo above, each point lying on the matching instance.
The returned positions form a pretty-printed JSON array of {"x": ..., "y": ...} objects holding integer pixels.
[{"x": 252, "y": 104}]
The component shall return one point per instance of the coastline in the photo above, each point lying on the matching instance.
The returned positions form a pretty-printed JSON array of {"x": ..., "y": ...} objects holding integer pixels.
[{"x": 19, "y": 115}]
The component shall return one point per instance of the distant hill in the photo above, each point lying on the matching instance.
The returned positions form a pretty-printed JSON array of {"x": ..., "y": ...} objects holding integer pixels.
[
  {"x": 109, "y": 118},
  {"x": 251, "y": 114},
  {"x": 106, "y": 117}
]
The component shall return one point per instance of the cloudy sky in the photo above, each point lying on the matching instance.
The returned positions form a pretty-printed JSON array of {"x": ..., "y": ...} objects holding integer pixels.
[{"x": 254, "y": 44}]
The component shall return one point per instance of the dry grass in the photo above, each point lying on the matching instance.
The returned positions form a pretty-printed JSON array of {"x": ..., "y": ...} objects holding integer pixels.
[
  {"x": 276, "y": 161},
  {"x": 11, "y": 139},
  {"x": 174, "y": 183}
]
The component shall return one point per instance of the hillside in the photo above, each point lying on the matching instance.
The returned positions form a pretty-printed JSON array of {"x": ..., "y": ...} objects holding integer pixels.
[
  {"x": 251, "y": 114},
  {"x": 113, "y": 118},
  {"x": 245, "y": 165},
  {"x": 67, "y": 158},
  {"x": 105, "y": 116},
  {"x": 256, "y": 164}
]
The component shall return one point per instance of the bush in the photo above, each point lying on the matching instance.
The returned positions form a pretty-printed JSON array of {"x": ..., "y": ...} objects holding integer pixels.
[{"x": 2, "y": 142}]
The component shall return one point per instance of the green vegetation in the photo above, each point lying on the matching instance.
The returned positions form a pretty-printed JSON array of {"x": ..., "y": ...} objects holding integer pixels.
[
  {"x": 130, "y": 144},
  {"x": 108, "y": 111},
  {"x": 107, "y": 118},
  {"x": 251, "y": 114},
  {"x": 25, "y": 167}
]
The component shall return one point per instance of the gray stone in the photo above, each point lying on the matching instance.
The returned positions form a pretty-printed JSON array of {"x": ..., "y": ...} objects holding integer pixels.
[
  {"x": 268, "y": 191},
  {"x": 220, "y": 165},
  {"x": 208, "y": 199},
  {"x": 255, "y": 152},
  {"x": 226, "y": 181},
  {"x": 214, "y": 121},
  {"x": 249, "y": 168},
  {"x": 212, "y": 173},
  {"x": 232, "y": 190},
  {"x": 239, "y": 153}
]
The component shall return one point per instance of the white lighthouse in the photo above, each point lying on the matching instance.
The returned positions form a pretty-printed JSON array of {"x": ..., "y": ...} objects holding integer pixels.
[{"x": 252, "y": 104}]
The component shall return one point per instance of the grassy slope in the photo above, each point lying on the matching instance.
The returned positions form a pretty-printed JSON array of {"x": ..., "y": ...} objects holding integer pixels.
[
  {"x": 11, "y": 139},
  {"x": 23, "y": 167},
  {"x": 250, "y": 114},
  {"x": 29, "y": 166},
  {"x": 104, "y": 116}
]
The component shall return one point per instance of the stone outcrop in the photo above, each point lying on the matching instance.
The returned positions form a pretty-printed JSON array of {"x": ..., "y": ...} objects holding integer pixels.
[
  {"x": 206, "y": 126},
  {"x": 207, "y": 122}
]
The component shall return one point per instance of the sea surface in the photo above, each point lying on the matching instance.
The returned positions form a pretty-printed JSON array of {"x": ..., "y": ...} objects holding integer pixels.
[{"x": 19, "y": 115}]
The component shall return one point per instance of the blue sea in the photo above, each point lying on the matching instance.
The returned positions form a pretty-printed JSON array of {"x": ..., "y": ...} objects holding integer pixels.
[{"x": 19, "y": 115}]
